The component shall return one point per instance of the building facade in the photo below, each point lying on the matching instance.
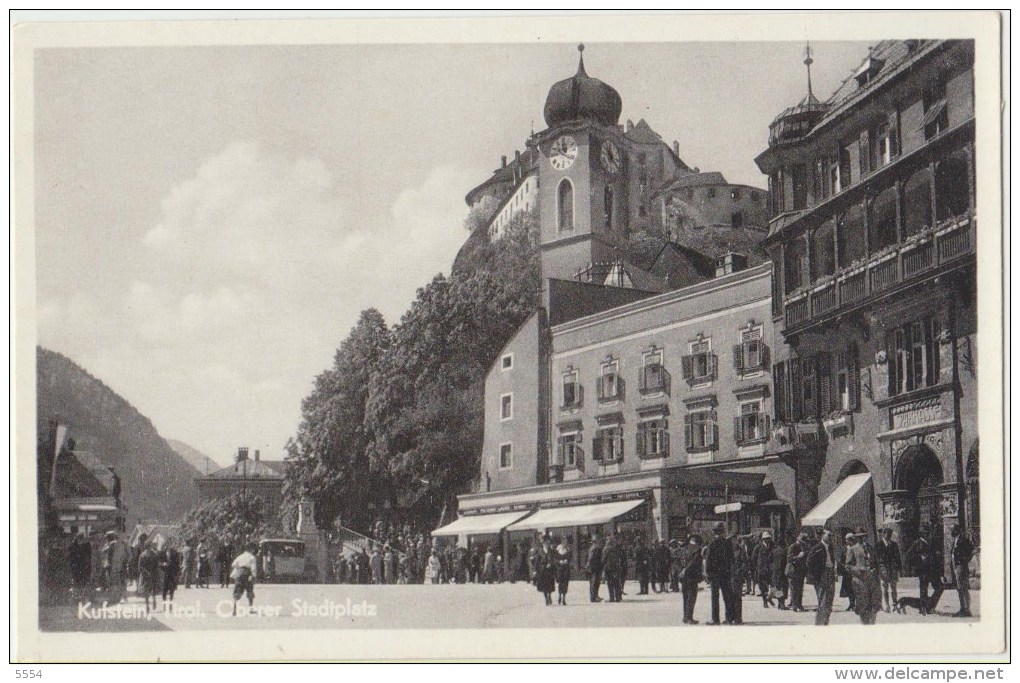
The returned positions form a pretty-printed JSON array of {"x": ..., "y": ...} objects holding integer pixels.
[
  {"x": 255, "y": 476},
  {"x": 872, "y": 242}
]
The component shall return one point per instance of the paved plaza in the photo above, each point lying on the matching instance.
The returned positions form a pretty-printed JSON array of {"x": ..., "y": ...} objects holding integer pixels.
[{"x": 284, "y": 606}]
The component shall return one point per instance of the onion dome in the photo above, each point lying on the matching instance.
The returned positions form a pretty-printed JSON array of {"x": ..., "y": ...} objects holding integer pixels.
[{"x": 582, "y": 97}]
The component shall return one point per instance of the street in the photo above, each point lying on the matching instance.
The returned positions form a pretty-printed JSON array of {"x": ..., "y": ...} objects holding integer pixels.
[{"x": 305, "y": 606}]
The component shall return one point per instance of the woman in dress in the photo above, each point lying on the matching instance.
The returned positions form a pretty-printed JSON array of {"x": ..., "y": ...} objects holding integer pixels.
[
  {"x": 562, "y": 557},
  {"x": 546, "y": 563}
]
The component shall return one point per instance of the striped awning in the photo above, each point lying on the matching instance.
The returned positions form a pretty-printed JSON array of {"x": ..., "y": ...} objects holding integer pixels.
[{"x": 849, "y": 505}]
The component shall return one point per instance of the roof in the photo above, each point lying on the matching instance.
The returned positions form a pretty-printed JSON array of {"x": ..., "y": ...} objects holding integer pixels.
[
  {"x": 251, "y": 469},
  {"x": 643, "y": 134},
  {"x": 694, "y": 180}
]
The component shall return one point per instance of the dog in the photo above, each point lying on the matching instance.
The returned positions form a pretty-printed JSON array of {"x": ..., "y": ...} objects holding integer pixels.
[{"x": 933, "y": 600}]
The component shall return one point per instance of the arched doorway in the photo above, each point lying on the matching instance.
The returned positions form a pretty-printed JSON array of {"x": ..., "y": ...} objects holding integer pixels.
[
  {"x": 850, "y": 468},
  {"x": 919, "y": 472}
]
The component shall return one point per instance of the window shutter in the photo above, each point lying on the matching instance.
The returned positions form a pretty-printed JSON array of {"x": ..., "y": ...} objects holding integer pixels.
[
  {"x": 579, "y": 456},
  {"x": 852, "y": 377},
  {"x": 560, "y": 456},
  {"x": 864, "y": 152},
  {"x": 687, "y": 367},
  {"x": 763, "y": 356},
  {"x": 823, "y": 369},
  {"x": 578, "y": 394},
  {"x": 597, "y": 450},
  {"x": 738, "y": 429},
  {"x": 894, "y": 134},
  {"x": 713, "y": 366},
  {"x": 621, "y": 386},
  {"x": 738, "y": 357},
  {"x": 765, "y": 431},
  {"x": 643, "y": 378},
  {"x": 600, "y": 387},
  {"x": 619, "y": 445},
  {"x": 779, "y": 391},
  {"x": 640, "y": 440},
  {"x": 714, "y": 434},
  {"x": 665, "y": 443},
  {"x": 796, "y": 395},
  {"x": 931, "y": 345},
  {"x": 688, "y": 432}
]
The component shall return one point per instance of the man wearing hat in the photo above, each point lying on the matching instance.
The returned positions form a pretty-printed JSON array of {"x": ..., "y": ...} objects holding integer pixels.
[
  {"x": 821, "y": 566},
  {"x": 926, "y": 559},
  {"x": 642, "y": 564},
  {"x": 719, "y": 570},
  {"x": 796, "y": 570},
  {"x": 689, "y": 564},
  {"x": 862, "y": 569},
  {"x": 962, "y": 553},
  {"x": 115, "y": 560}
]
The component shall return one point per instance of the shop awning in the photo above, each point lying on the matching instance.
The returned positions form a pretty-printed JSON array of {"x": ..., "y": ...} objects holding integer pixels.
[
  {"x": 575, "y": 515},
  {"x": 474, "y": 525},
  {"x": 848, "y": 505}
]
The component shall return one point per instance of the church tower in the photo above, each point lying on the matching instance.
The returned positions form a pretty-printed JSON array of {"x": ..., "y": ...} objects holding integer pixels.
[{"x": 583, "y": 175}]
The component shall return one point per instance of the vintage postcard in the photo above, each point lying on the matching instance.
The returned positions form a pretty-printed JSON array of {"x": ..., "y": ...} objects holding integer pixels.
[{"x": 646, "y": 336}]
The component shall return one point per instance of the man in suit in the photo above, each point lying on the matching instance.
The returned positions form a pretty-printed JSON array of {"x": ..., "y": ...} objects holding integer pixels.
[
  {"x": 796, "y": 570},
  {"x": 719, "y": 570},
  {"x": 889, "y": 567},
  {"x": 594, "y": 568},
  {"x": 642, "y": 564},
  {"x": 689, "y": 575},
  {"x": 821, "y": 568},
  {"x": 963, "y": 551},
  {"x": 614, "y": 561},
  {"x": 927, "y": 562}
]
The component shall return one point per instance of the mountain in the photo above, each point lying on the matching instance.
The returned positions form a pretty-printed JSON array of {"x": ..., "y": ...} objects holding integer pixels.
[
  {"x": 202, "y": 463},
  {"x": 157, "y": 483}
]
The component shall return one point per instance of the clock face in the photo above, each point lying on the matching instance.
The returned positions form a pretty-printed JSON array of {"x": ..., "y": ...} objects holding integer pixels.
[
  {"x": 563, "y": 153},
  {"x": 610, "y": 157}
]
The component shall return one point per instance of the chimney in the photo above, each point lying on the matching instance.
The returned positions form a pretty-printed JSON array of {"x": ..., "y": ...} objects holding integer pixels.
[
  {"x": 730, "y": 262},
  {"x": 242, "y": 453},
  {"x": 503, "y": 160},
  {"x": 256, "y": 455},
  {"x": 630, "y": 125},
  {"x": 676, "y": 148}
]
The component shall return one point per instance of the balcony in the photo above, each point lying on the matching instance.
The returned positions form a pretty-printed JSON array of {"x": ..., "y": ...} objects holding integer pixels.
[{"x": 918, "y": 255}]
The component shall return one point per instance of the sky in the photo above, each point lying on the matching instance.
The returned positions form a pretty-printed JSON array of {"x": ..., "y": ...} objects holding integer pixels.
[{"x": 210, "y": 221}]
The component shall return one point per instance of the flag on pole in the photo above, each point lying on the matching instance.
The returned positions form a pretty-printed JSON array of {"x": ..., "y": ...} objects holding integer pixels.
[{"x": 57, "y": 447}]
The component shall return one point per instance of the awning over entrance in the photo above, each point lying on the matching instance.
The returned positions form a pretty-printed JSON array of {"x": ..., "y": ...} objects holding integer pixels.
[
  {"x": 474, "y": 525},
  {"x": 848, "y": 505},
  {"x": 575, "y": 515}
]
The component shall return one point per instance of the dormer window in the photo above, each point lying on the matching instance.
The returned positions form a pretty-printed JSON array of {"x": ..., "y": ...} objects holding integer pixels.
[{"x": 868, "y": 71}]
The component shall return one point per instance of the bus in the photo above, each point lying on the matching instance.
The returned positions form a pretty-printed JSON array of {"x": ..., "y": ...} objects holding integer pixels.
[{"x": 282, "y": 560}]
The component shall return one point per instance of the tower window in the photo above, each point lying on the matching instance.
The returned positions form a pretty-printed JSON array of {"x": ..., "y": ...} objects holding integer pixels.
[
  {"x": 608, "y": 207},
  {"x": 565, "y": 201}
]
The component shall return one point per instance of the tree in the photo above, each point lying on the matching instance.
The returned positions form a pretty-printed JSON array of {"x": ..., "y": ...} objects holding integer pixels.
[
  {"x": 238, "y": 518},
  {"x": 327, "y": 456}
]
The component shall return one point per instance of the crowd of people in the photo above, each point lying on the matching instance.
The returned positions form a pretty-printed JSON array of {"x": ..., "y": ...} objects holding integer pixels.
[{"x": 103, "y": 567}]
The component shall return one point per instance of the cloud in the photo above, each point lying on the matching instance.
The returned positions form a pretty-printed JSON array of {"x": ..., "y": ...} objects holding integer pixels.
[{"x": 255, "y": 270}]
